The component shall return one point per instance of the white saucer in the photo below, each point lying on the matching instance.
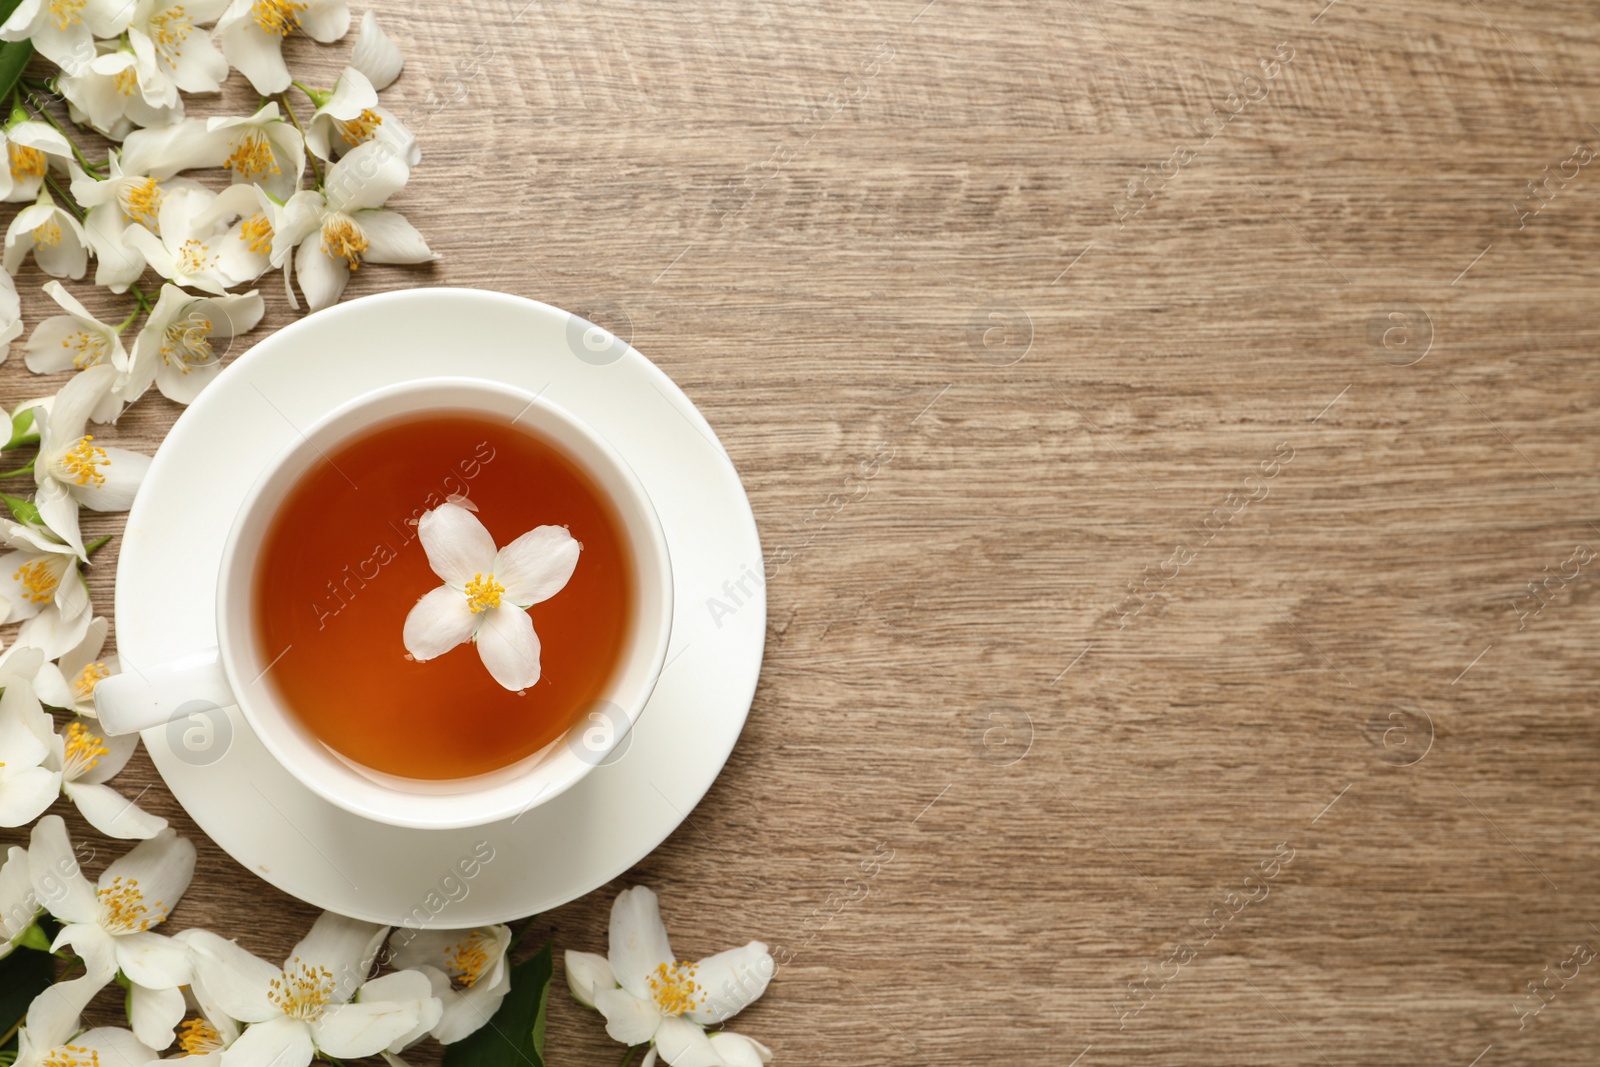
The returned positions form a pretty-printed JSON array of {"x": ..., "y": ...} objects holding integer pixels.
[{"x": 273, "y": 825}]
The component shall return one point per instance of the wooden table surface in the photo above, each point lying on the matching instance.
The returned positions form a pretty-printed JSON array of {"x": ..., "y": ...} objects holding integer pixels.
[{"x": 1226, "y": 382}]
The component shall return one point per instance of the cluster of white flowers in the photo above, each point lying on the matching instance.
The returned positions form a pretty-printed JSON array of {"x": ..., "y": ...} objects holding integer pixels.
[
  {"x": 241, "y": 1011},
  {"x": 125, "y": 66}
]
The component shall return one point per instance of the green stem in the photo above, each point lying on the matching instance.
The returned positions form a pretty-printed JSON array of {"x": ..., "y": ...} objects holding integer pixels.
[
  {"x": 138, "y": 294},
  {"x": 316, "y": 168},
  {"x": 316, "y": 96},
  {"x": 89, "y": 549},
  {"x": 131, "y": 316},
  {"x": 50, "y": 180},
  {"x": 20, "y": 470},
  {"x": 627, "y": 1055},
  {"x": 9, "y": 1034}
]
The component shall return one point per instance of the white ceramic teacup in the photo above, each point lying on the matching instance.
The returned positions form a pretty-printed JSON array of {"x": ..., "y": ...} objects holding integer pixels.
[{"x": 146, "y": 696}]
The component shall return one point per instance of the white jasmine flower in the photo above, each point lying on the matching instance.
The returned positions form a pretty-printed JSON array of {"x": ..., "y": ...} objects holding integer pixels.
[
  {"x": 263, "y": 148},
  {"x": 104, "y": 1046},
  {"x": 253, "y": 220},
  {"x": 63, "y": 31},
  {"x": 27, "y": 787},
  {"x": 308, "y": 1005},
  {"x": 87, "y": 759},
  {"x": 72, "y": 470},
  {"x": 42, "y": 589},
  {"x": 54, "y": 237},
  {"x": 129, "y": 195},
  {"x": 74, "y": 341},
  {"x": 353, "y": 226},
  {"x": 175, "y": 350},
  {"x": 375, "y": 55},
  {"x": 486, "y": 593},
  {"x": 471, "y": 964},
  {"x": 10, "y": 330},
  {"x": 31, "y": 148},
  {"x": 351, "y": 115},
  {"x": 107, "y": 94},
  {"x": 173, "y": 52},
  {"x": 737, "y": 1050},
  {"x": 188, "y": 253},
  {"x": 108, "y": 922},
  {"x": 70, "y": 682},
  {"x": 18, "y": 908},
  {"x": 666, "y": 1001},
  {"x": 252, "y": 33}
]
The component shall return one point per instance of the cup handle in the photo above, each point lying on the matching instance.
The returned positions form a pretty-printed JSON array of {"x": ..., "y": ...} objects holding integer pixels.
[{"x": 136, "y": 700}]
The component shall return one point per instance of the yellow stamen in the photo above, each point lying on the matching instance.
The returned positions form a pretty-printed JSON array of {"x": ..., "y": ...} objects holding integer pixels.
[
  {"x": 361, "y": 128},
  {"x": 83, "y": 461},
  {"x": 169, "y": 29},
  {"x": 198, "y": 1037},
  {"x": 82, "y": 750},
  {"x": 88, "y": 678},
  {"x": 302, "y": 992},
  {"x": 256, "y": 233},
  {"x": 88, "y": 348},
  {"x": 47, "y": 233},
  {"x": 193, "y": 258},
  {"x": 187, "y": 344},
  {"x": 674, "y": 989},
  {"x": 38, "y": 581},
  {"x": 26, "y": 162},
  {"x": 126, "y": 81},
  {"x": 277, "y": 16},
  {"x": 71, "y": 1056},
  {"x": 483, "y": 593},
  {"x": 252, "y": 156},
  {"x": 141, "y": 201},
  {"x": 468, "y": 958},
  {"x": 123, "y": 910},
  {"x": 67, "y": 12},
  {"x": 343, "y": 239}
]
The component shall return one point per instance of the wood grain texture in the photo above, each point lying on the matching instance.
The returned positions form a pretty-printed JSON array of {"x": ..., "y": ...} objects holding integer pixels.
[{"x": 893, "y": 230}]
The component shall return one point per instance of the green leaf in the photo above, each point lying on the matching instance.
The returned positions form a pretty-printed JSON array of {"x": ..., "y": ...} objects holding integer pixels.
[
  {"x": 23, "y": 975},
  {"x": 22, "y": 510},
  {"x": 14, "y": 55},
  {"x": 515, "y": 1036}
]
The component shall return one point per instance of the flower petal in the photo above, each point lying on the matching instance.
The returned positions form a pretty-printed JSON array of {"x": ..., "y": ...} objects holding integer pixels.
[
  {"x": 588, "y": 975},
  {"x": 115, "y": 1047},
  {"x": 438, "y": 622},
  {"x": 322, "y": 278},
  {"x": 737, "y": 1050},
  {"x": 467, "y": 1012},
  {"x": 58, "y": 884},
  {"x": 276, "y": 1042},
  {"x": 628, "y": 1019},
  {"x": 391, "y": 239},
  {"x": 509, "y": 647},
  {"x": 458, "y": 546},
  {"x": 732, "y": 981},
  {"x": 683, "y": 1044},
  {"x": 325, "y": 20},
  {"x": 410, "y": 990},
  {"x": 639, "y": 941},
  {"x": 258, "y": 55},
  {"x": 537, "y": 565},
  {"x": 353, "y": 1030},
  {"x": 154, "y": 1015},
  {"x": 111, "y": 813},
  {"x": 234, "y": 980},
  {"x": 27, "y": 794},
  {"x": 163, "y": 866},
  {"x": 154, "y": 961},
  {"x": 123, "y": 472},
  {"x": 346, "y": 948},
  {"x": 368, "y": 175},
  {"x": 375, "y": 55}
]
